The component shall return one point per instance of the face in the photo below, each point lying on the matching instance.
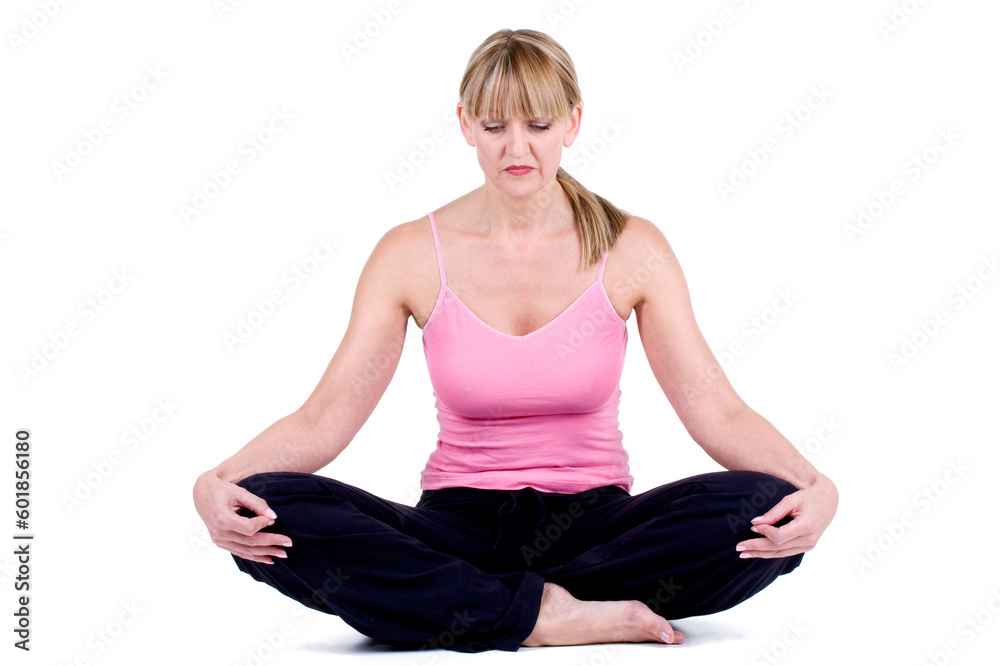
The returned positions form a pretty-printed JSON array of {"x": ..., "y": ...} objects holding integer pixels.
[{"x": 534, "y": 143}]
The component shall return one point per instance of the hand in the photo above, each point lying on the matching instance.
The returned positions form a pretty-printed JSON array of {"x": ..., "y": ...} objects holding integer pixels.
[
  {"x": 218, "y": 503},
  {"x": 811, "y": 510}
]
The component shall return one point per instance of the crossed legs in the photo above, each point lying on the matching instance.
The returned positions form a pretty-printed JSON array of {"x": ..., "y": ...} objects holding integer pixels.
[{"x": 429, "y": 576}]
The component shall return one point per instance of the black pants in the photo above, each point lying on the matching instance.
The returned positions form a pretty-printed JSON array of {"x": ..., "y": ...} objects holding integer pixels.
[{"x": 463, "y": 569}]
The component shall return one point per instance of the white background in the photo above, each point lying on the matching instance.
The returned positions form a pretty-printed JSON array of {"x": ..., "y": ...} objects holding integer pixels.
[{"x": 895, "y": 577}]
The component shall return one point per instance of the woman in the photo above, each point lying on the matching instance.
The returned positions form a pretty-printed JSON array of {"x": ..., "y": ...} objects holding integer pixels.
[{"x": 526, "y": 532}]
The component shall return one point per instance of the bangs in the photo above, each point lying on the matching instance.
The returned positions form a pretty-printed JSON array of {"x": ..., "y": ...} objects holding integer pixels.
[{"x": 516, "y": 85}]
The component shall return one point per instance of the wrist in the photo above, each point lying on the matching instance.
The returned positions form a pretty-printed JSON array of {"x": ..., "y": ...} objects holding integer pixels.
[
  {"x": 827, "y": 481},
  {"x": 208, "y": 476},
  {"x": 805, "y": 475}
]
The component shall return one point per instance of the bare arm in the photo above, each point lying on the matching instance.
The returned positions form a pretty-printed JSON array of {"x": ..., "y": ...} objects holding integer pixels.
[
  {"x": 732, "y": 433},
  {"x": 357, "y": 376},
  {"x": 312, "y": 436}
]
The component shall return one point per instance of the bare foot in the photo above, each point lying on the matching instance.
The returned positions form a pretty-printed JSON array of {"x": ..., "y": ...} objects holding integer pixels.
[{"x": 565, "y": 620}]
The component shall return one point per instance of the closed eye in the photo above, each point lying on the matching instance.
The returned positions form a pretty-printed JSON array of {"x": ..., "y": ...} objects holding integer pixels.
[{"x": 496, "y": 128}]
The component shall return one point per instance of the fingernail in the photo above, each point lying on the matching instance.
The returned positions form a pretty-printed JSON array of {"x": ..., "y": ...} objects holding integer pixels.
[
  {"x": 270, "y": 523},
  {"x": 756, "y": 519},
  {"x": 754, "y": 529},
  {"x": 740, "y": 549},
  {"x": 744, "y": 556},
  {"x": 665, "y": 637},
  {"x": 270, "y": 514},
  {"x": 281, "y": 555},
  {"x": 287, "y": 544}
]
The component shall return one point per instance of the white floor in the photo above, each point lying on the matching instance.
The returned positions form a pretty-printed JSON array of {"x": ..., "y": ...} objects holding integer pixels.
[
  {"x": 316, "y": 639},
  {"x": 788, "y": 622}
]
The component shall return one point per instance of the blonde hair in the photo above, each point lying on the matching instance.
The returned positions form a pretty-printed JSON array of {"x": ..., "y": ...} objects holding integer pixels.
[{"x": 527, "y": 74}]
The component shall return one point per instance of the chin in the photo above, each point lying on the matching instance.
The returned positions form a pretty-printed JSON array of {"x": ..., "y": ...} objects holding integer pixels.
[
  {"x": 523, "y": 187},
  {"x": 520, "y": 192}
]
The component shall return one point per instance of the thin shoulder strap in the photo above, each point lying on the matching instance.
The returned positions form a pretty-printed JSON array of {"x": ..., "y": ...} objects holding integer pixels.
[
  {"x": 437, "y": 248},
  {"x": 600, "y": 271}
]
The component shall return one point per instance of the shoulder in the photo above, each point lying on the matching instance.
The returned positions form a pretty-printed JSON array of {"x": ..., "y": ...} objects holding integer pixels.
[
  {"x": 639, "y": 261},
  {"x": 638, "y": 237},
  {"x": 403, "y": 240},
  {"x": 403, "y": 263}
]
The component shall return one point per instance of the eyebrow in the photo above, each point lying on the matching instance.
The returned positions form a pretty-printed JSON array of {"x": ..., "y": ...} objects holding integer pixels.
[{"x": 490, "y": 121}]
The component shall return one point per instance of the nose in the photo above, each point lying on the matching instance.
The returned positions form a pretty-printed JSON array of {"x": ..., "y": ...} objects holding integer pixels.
[{"x": 517, "y": 139}]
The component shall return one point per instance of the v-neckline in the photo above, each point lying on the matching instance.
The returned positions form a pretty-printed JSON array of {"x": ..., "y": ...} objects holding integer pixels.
[{"x": 543, "y": 328}]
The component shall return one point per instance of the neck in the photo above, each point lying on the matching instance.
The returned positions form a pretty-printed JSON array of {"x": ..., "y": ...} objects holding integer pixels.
[{"x": 515, "y": 220}]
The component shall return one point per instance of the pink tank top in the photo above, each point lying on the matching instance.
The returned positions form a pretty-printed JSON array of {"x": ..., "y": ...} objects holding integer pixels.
[{"x": 538, "y": 410}]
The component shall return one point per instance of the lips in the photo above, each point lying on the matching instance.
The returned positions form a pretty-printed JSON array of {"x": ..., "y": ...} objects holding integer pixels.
[{"x": 518, "y": 169}]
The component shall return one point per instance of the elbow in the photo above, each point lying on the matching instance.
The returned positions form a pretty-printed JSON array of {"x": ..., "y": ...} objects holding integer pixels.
[
  {"x": 715, "y": 422},
  {"x": 310, "y": 416},
  {"x": 305, "y": 417}
]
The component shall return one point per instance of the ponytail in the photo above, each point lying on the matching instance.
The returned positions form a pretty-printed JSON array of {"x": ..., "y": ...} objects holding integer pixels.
[{"x": 598, "y": 220}]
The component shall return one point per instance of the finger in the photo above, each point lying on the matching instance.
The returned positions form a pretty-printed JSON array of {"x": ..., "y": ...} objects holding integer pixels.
[
  {"x": 754, "y": 547},
  {"x": 252, "y": 552},
  {"x": 254, "y": 503},
  {"x": 243, "y": 552},
  {"x": 230, "y": 521},
  {"x": 754, "y": 544},
  {"x": 764, "y": 543},
  {"x": 774, "y": 554},
  {"x": 776, "y": 513},
  {"x": 255, "y": 558},
  {"x": 268, "y": 539},
  {"x": 267, "y": 552},
  {"x": 796, "y": 528},
  {"x": 259, "y": 540}
]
